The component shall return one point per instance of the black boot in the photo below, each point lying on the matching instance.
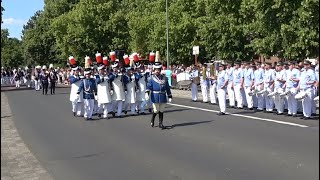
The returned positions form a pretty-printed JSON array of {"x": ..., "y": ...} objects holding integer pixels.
[
  {"x": 161, "y": 120},
  {"x": 152, "y": 119}
]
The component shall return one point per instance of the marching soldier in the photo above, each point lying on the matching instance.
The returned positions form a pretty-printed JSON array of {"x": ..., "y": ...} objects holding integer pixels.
[
  {"x": 118, "y": 94},
  {"x": 222, "y": 83},
  {"x": 258, "y": 86},
  {"x": 230, "y": 90},
  {"x": 158, "y": 90},
  {"x": 44, "y": 77},
  {"x": 238, "y": 84},
  {"x": 268, "y": 80},
  {"x": 77, "y": 101},
  {"x": 194, "y": 76},
  {"x": 131, "y": 86},
  {"x": 306, "y": 83},
  {"x": 248, "y": 84},
  {"x": 141, "y": 83},
  {"x": 292, "y": 80},
  {"x": 37, "y": 73},
  {"x": 52, "y": 79},
  {"x": 89, "y": 89},
  {"x": 148, "y": 77},
  {"x": 279, "y": 88},
  {"x": 213, "y": 85},
  {"x": 204, "y": 83},
  {"x": 103, "y": 95}
]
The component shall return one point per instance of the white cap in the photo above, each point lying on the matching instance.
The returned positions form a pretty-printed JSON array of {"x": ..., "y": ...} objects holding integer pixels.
[{"x": 44, "y": 67}]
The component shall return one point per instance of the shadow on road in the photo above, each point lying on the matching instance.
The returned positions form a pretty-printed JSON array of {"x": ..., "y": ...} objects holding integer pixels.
[{"x": 187, "y": 124}]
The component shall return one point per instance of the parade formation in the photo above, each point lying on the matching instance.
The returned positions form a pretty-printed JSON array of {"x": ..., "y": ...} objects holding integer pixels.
[{"x": 109, "y": 88}]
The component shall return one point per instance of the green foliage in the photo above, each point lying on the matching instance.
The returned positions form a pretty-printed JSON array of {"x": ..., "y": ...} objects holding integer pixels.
[{"x": 225, "y": 29}]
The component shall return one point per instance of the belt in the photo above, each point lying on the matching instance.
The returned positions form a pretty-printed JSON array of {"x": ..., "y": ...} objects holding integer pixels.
[
  {"x": 160, "y": 92},
  {"x": 88, "y": 92}
]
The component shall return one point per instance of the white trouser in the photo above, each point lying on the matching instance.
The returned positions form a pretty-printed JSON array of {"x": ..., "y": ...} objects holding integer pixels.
[
  {"x": 103, "y": 109},
  {"x": 307, "y": 102},
  {"x": 77, "y": 107},
  {"x": 213, "y": 98},
  {"x": 140, "y": 105},
  {"x": 118, "y": 105},
  {"x": 244, "y": 99},
  {"x": 314, "y": 106},
  {"x": 132, "y": 107},
  {"x": 292, "y": 102},
  {"x": 260, "y": 98},
  {"x": 37, "y": 85},
  {"x": 17, "y": 83},
  {"x": 268, "y": 100},
  {"x": 95, "y": 107},
  {"x": 204, "y": 91},
  {"x": 249, "y": 98},
  {"x": 222, "y": 99},
  {"x": 278, "y": 101},
  {"x": 238, "y": 95},
  {"x": 158, "y": 107},
  {"x": 231, "y": 95},
  {"x": 88, "y": 107},
  {"x": 194, "y": 91}
]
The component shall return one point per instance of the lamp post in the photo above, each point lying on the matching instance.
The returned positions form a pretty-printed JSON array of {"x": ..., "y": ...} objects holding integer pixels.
[{"x": 167, "y": 29}]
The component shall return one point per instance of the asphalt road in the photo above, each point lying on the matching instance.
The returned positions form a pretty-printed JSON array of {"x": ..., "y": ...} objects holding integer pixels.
[{"x": 198, "y": 144}]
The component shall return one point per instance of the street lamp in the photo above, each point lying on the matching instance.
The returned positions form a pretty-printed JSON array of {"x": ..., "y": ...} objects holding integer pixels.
[{"x": 167, "y": 29}]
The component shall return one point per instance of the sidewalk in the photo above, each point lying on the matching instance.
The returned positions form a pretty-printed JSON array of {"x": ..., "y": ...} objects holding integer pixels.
[{"x": 17, "y": 162}]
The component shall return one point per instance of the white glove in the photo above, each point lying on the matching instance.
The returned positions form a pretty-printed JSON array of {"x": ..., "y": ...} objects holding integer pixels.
[
  {"x": 96, "y": 97},
  {"x": 170, "y": 99},
  {"x": 146, "y": 96},
  {"x": 111, "y": 92}
]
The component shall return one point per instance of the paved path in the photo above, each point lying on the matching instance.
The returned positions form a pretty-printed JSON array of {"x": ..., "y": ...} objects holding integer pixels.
[
  {"x": 17, "y": 162},
  {"x": 198, "y": 144}
]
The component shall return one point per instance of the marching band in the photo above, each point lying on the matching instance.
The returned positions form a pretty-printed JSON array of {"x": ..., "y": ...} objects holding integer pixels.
[{"x": 117, "y": 89}]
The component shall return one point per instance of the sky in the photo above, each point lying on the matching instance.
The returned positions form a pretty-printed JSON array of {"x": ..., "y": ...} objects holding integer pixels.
[{"x": 17, "y": 13}]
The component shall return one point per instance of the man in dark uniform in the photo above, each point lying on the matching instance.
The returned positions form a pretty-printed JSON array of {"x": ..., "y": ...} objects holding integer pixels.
[
  {"x": 44, "y": 78},
  {"x": 53, "y": 79},
  {"x": 159, "y": 90}
]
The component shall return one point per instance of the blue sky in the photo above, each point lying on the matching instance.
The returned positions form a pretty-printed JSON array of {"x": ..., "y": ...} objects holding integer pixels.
[{"x": 17, "y": 13}]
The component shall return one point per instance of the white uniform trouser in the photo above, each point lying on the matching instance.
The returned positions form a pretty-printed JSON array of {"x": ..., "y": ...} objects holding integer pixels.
[
  {"x": 292, "y": 102},
  {"x": 278, "y": 101},
  {"x": 307, "y": 102},
  {"x": 95, "y": 107},
  {"x": 132, "y": 107},
  {"x": 244, "y": 99},
  {"x": 77, "y": 107},
  {"x": 222, "y": 99},
  {"x": 314, "y": 106},
  {"x": 37, "y": 85},
  {"x": 213, "y": 98},
  {"x": 17, "y": 83},
  {"x": 118, "y": 105},
  {"x": 194, "y": 91},
  {"x": 158, "y": 107},
  {"x": 260, "y": 98},
  {"x": 140, "y": 105},
  {"x": 204, "y": 91},
  {"x": 231, "y": 95},
  {"x": 249, "y": 98},
  {"x": 103, "y": 109},
  {"x": 238, "y": 95},
  {"x": 268, "y": 100},
  {"x": 88, "y": 107}
]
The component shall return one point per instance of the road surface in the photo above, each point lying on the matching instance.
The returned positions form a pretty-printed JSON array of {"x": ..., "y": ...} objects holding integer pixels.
[{"x": 197, "y": 144}]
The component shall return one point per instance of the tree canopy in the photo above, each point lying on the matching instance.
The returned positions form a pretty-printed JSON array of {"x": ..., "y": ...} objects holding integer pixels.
[{"x": 226, "y": 29}]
